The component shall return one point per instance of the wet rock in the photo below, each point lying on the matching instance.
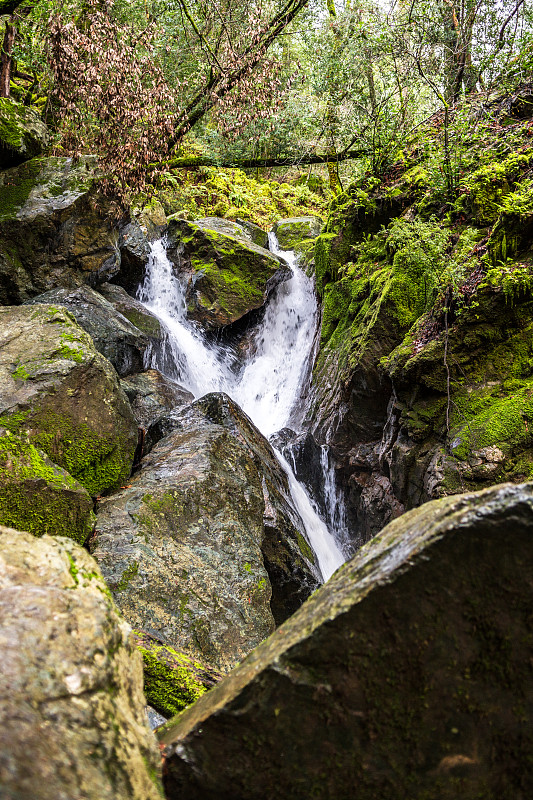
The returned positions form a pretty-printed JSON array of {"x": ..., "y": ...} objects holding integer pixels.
[
  {"x": 188, "y": 547},
  {"x": 172, "y": 679},
  {"x": 410, "y": 667},
  {"x": 229, "y": 275},
  {"x": 290, "y": 232},
  {"x": 113, "y": 335},
  {"x": 180, "y": 548},
  {"x": 54, "y": 229},
  {"x": 38, "y": 496},
  {"x": 72, "y": 710},
  {"x": 61, "y": 394},
  {"x": 134, "y": 253},
  {"x": 153, "y": 395},
  {"x": 155, "y": 719},
  {"x": 288, "y": 557},
  {"x": 132, "y": 309},
  {"x": 23, "y": 134}
]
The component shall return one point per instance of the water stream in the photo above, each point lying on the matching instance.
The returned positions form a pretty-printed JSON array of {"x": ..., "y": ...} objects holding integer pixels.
[{"x": 269, "y": 385}]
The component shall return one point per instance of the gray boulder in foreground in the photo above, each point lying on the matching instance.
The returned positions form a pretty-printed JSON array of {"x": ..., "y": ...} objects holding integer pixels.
[
  {"x": 72, "y": 711},
  {"x": 407, "y": 676}
]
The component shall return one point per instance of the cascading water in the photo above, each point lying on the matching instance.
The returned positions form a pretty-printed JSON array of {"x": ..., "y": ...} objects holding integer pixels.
[{"x": 269, "y": 385}]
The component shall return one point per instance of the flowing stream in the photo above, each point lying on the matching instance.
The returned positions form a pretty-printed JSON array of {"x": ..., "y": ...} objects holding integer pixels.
[{"x": 269, "y": 385}]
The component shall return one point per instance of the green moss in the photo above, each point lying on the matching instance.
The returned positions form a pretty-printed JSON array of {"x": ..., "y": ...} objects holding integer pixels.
[
  {"x": 494, "y": 418},
  {"x": 486, "y": 189},
  {"x": 127, "y": 576},
  {"x": 230, "y": 193},
  {"x": 170, "y": 679},
  {"x": 97, "y": 462},
  {"x": 38, "y": 497},
  {"x": 305, "y": 548}
]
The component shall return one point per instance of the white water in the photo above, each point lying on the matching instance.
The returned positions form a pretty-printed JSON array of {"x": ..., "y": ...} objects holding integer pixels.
[{"x": 268, "y": 386}]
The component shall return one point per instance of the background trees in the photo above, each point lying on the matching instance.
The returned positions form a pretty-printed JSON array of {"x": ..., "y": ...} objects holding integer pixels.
[{"x": 139, "y": 80}]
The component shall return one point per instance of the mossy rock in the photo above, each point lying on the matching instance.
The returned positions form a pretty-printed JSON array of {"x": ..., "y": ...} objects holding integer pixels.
[
  {"x": 172, "y": 679},
  {"x": 38, "y": 496},
  {"x": 291, "y": 231},
  {"x": 23, "y": 134},
  {"x": 71, "y": 692},
  {"x": 229, "y": 276},
  {"x": 60, "y": 393},
  {"x": 410, "y": 668}
]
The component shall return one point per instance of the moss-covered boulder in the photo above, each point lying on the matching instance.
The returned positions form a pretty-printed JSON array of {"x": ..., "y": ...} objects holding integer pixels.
[
  {"x": 38, "y": 496},
  {"x": 113, "y": 335},
  {"x": 23, "y": 134},
  {"x": 57, "y": 391},
  {"x": 407, "y": 675},
  {"x": 229, "y": 275},
  {"x": 172, "y": 679},
  {"x": 72, "y": 718},
  {"x": 257, "y": 234},
  {"x": 292, "y": 231},
  {"x": 55, "y": 230}
]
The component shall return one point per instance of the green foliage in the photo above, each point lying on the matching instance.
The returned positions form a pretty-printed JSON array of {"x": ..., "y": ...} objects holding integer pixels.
[{"x": 231, "y": 193}]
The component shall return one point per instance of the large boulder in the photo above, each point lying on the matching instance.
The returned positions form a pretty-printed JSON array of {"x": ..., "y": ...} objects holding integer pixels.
[
  {"x": 229, "y": 275},
  {"x": 290, "y": 232},
  {"x": 288, "y": 557},
  {"x": 113, "y": 335},
  {"x": 181, "y": 547},
  {"x": 38, "y": 496},
  {"x": 72, "y": 710},
  {"x": 23, "y": 134},
  {"x": 407, "y": 675},
  {"x": 55, "y": 230},
  {"x": 61, "y": 394}
]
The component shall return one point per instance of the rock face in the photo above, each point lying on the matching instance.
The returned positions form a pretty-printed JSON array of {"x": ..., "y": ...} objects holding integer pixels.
[
  {"x": 291, "y": 231},
  {"x": 72, "y": 710},
  {"x": 409, "y": 668},
  {"x": 50, "y": 233},
  {"x": 38, "y": 496},
  {"x": 181, "y": 548},
  {"x": 61, "y": 394},
  {"x": 135, "y": 252},
  {"x": 23, "y": 135},
  {"x": 257, "y": 234},
  {"x": 229, "y": 274},
  {"x": 113, "y": 335}
]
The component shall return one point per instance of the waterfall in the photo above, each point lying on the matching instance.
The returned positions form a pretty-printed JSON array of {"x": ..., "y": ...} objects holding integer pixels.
[{"x": 270, "y": 384}]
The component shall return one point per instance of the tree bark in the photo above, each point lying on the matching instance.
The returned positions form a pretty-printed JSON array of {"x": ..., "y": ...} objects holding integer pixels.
[{"x": 6, "y": 62}]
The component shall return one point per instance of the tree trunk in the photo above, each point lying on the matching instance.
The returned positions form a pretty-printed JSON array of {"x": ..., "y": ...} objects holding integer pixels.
[{"x": 6, "y": 63}]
